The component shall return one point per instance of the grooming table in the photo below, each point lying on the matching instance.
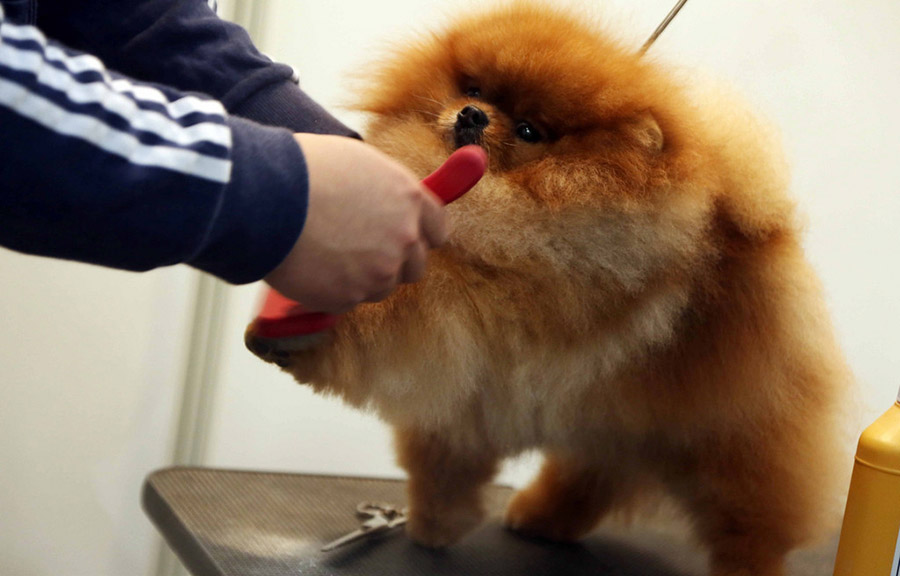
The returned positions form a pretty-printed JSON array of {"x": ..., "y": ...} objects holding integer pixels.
[{"x": 231, "y": 523}]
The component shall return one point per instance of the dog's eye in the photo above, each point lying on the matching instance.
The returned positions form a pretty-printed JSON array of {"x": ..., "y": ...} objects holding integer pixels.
[
  {"x": 473, "y": 92},
  {"x": 528, "y": 133}
]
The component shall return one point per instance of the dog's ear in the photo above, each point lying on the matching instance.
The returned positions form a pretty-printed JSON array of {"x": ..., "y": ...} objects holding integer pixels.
[{"x": 645, "y": 130}]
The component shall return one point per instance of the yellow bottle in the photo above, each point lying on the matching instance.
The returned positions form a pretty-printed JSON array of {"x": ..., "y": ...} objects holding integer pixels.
[{"x": 870, "y": 535}]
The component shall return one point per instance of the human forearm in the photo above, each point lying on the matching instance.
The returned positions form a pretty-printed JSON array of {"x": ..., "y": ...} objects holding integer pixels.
[{"x": 102, "y": 169}]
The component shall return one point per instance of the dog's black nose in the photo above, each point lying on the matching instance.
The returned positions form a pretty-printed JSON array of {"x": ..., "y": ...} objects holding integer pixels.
[
  {"x": 470, "y": 124},
  {"x": 472, "y": 117}
]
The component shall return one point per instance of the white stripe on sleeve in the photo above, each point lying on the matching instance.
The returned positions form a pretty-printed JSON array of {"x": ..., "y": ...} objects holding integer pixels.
[
  {"x": 113, "y": 96},
  {"x": 100, "y": 93},
  {"x": 122, "y": 144},
  {"x": 88, "y": 63}
]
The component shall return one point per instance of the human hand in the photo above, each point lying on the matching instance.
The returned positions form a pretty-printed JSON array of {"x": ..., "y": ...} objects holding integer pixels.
[{"x": 369, "y": 226}]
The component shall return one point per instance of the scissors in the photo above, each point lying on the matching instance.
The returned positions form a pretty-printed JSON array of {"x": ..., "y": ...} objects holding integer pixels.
[{"x": 377, "y": 517}]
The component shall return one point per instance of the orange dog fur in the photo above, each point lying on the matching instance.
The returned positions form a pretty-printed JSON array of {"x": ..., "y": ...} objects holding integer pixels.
[{"x": 625, "y": 290}]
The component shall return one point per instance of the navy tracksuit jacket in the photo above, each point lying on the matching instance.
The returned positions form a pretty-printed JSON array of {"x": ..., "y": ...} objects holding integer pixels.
[{"x": 143, "y": 133}]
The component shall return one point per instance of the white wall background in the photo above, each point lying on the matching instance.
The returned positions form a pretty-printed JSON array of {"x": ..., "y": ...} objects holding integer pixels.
[
  {"x": 92, "y": 359},
  {"x": 91, "y": 366}
]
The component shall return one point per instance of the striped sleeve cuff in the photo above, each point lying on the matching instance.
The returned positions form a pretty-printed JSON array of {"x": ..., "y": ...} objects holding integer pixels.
[{"x": 263, "y": 208}]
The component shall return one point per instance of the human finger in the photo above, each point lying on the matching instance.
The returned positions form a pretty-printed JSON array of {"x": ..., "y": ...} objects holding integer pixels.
[{"x": 433, "y": 220}]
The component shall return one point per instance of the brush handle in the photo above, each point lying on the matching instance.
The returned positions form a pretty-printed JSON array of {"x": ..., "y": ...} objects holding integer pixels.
[
  {"x": 282, "y": 317},
  {"x": 458, "y": 174}
]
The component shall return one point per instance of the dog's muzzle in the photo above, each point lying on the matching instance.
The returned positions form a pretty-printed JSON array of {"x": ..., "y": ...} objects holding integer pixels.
[{"x": 469, "y": 127}]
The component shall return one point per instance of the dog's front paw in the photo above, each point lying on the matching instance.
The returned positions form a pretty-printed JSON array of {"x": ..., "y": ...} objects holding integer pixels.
[{"x": 441, "y": 529}]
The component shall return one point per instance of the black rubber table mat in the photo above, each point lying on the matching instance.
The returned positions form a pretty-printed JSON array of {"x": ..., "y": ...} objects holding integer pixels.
[{"x": 231, "y": 523}]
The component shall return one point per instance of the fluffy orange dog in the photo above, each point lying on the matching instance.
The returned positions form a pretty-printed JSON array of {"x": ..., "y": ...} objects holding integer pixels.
[{"x": 624, "y": 290}]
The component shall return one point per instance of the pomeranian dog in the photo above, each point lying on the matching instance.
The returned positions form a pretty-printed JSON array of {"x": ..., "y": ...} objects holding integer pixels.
[{"x": 625, "y": 290}]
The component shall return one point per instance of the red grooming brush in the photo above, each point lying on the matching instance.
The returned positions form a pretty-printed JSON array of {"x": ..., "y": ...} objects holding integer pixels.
[{"x": 295, "y": 328}]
